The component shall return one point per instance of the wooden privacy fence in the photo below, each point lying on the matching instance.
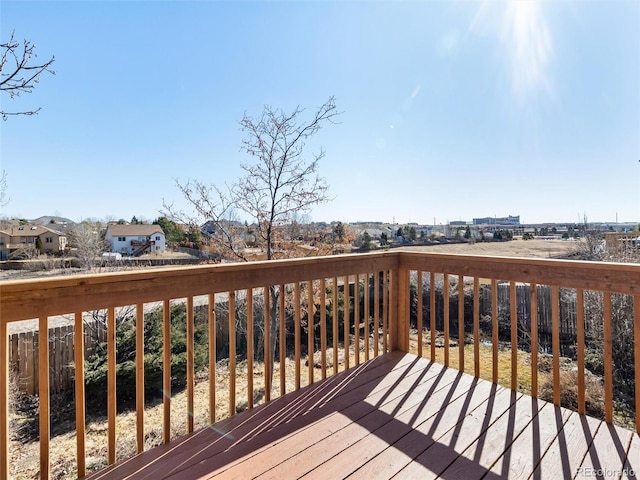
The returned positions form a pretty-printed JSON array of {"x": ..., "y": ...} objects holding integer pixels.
[
  {"x": 567, "y": 306},
  {"x": 24, "y": 354}
]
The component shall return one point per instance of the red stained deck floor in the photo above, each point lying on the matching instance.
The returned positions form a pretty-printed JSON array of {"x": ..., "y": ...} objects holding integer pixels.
[{"x": 397, "y": 416}]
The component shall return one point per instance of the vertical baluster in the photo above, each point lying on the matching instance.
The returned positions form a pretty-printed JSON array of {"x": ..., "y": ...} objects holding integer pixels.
[
  {"x": 323, "y": 327},
  {"x": 636, "y": 353},
  {"x": 296, "y": 321},
  {"x": 385, "y": 312},
  {"x": 43, "y": 395},
  {"x": 282, "y": 344},
  {"x": 166, "y": 371},
  {"x": 608, "y": 360},
  {"x": 232, "y": 353},
  {"x": 494, "y": 330},
  {"x": 432, "y": 313},
  {"x": 4, "y": 399},
  {"x": 139, "y": 377},
  {"x": 580, "y": 339},
  {"x": 356, "y": 319},
  {"x": 268, "y": 359},
  {"x": 79, "y": 393},
  {"x": 346, "y": 322},
  {"x": 419, "y": 319},
  {"x": 334, "y": 325},
  {"x": 513, "y": 314},
  {"x": 461, "y": 323},
  {"x": 190, "y": 364},
  {"x": 212, "y": 357},
  {"x": 111, "y": 386},
  {"x": 250, "y": 348},
  {"x": 534, "y": 340},
  {"x": 367, "y": 333},
  {"x": 476, "y": 326},
  {"x": 445, "y": 299},
  {"x": 376, "y": 313},
  {"x": 310, "y": 328},
  {"x": 555, "y": 340}
]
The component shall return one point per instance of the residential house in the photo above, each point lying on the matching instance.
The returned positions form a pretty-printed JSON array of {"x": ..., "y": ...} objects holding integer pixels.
[
  {"x": 135, "y": 239},
  {"x": 25, "y": 241}
]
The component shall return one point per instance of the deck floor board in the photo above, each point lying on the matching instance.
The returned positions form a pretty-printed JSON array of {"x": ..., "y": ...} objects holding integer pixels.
[{"x": 397, "y": 416}]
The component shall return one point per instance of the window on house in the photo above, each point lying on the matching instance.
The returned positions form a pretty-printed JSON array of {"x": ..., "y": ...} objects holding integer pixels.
[
  {"x": 122, "y": 239},
  {"x": 48, "y": 240},
  {"x": 158, "y": 237}
]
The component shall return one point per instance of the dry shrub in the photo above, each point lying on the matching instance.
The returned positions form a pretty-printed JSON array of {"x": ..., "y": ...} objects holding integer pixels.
[{"x": 594, "y": 392}]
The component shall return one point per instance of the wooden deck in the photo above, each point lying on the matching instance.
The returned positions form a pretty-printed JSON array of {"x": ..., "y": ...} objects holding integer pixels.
[{"x": 397, "y": 416}]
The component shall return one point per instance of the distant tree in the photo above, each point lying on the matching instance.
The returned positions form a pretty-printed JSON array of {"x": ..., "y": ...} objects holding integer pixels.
[
  {"x": 173, "y": 232},
  {"x": 339, "y": 232},
  {"x": 194, "y": 237},
  {"x": 467, "y": 232},
  {"x": 135, "y": 221},
  {"x": 88, "y": 241},
  {"x": 366, "y": 241},
  {"x": 412, "y": 234},
  {"x": 19, "y": 72},
  {"x": 384, "y": 240}
]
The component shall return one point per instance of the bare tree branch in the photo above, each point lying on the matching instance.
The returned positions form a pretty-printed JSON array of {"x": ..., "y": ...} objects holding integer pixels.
[{"x": 19, "y": 72}]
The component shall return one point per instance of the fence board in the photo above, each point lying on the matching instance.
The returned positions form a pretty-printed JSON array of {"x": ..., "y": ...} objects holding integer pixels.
[{"x": 24, "y": 351}]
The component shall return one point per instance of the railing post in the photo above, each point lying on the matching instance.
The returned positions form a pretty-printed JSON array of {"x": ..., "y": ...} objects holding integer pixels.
[
  {"x": 4, "y": 401},
  {"x": 399, "y": 310}
]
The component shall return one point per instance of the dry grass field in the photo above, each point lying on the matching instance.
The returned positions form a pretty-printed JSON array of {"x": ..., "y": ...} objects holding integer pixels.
[{"x": 516, "y": 248}]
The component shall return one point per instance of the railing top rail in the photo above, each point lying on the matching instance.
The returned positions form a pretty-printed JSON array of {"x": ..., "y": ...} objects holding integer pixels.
[
  {"x": 602, "y": 276},
  {"x": 27, "y": 299},
  {"x": 32, "y": 298}
]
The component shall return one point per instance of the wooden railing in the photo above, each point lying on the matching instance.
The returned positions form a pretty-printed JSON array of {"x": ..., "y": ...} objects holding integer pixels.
[{"x": 384, "y": 294}]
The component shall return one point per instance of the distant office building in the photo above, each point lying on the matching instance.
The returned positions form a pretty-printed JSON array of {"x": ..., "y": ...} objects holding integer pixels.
[{"x": 510, "y": 220}]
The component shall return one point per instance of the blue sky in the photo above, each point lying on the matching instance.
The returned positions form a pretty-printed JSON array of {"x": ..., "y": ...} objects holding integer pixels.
[{"x": 452, "y": 109}]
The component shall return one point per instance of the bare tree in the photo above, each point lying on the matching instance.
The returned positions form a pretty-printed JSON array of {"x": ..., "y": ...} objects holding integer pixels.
[
  {"x": 88, "y": 242},
  {"x": 19, "y": 71},
  {"x": 279, "y": 184}
]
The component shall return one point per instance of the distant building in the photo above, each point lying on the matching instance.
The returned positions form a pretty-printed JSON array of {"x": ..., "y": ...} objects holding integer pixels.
[
  {"x": 502, "y": 221},
  {"x": 622, "y": 244},
  {"x": 135, "y": 239},
  {"x": 27, "y": 240}
]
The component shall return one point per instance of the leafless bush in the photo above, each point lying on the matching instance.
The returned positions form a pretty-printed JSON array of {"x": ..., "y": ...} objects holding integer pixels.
[{"x": 594, "y": 392}]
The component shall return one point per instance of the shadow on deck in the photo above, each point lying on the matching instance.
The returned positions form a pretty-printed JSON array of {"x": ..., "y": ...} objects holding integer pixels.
[{"x": 396, "y": 416}]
